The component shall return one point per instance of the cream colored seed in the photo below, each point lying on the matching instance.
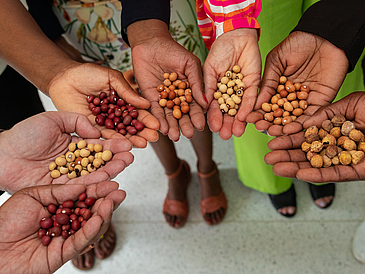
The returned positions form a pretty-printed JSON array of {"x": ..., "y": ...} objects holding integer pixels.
[
  {"x": 230, "y": 91},
  {"x": 72, "y": 147},
  {"x": 236, "y": 69},
  {"x": 63, "y": 170},
  {"x": 228, "y": 74},
  {"x": 163, "y": 102},
  {"x": 230, "y": 103},
  {"x": 231, "y": 84},
  {"x": 107, "y": 155},
  {"x": 84, "y": 172},
  {"x": 84, "y": 162},
  {"x": 223, "y": 108},
  {"x": 223, "y": 88},
  {"x": 266, "y": 107},
  {"x": 239, "y": 76},
  {"x": 91, "y": 168},
  {"x": 84, "y": 152},
  {"x": 77, "y": 153},
  {"x": 90, "y": 147},
  {"x": 91, "y": 158},
  {"x": 98, "y": 162},
  {"x": 221, "y": 100},
  {"x": 237, "y": 81},
  {"x": 236, "y": 99},
  {"x": 52, "y": 166},
  {"x": 81, "y": 144},
  {"x": 234, "y": 75},
  {"x": 72, "y": 175},
  {"x": 232, "y": 112},
  {"x": 226, "y": 96},
  {"x": 217, "y": 95},
  {"x": 98, "y": 148},
  {"x": 60, "y": 161},
  {"x": 224, "y": 80},
  {"x": 55, "y": 174},
  {"x": 282, "y": 80},
  {"x": 70, "y": 157}
]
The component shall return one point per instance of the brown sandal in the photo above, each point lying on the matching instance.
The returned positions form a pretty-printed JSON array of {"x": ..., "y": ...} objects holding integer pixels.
[
  {"x": 175, "y": 207},
  {"x": 213, "y": 203}
]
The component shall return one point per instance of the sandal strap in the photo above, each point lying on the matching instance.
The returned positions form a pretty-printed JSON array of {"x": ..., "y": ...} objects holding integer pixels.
[
  {"x": 287, "y": 198},
  {"x": 176, "y": 208},
  {"x": 207, "y": 175},
  {"x": 213, "y": 204},
  {"x": 320, "y": 191},
  {"x": 177, "y": 172}
]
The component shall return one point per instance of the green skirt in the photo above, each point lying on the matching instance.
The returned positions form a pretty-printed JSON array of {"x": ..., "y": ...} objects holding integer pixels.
[{"x": 277, "y": 19}]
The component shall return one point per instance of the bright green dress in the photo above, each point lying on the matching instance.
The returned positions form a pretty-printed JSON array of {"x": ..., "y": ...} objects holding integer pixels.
[{"x": 277, "y": 19}]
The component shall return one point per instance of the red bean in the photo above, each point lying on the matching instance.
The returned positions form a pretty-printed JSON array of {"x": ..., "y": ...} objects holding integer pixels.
[
  {"x": 82, "y": 210},
  {"x": 72, "y": 231},
  {"x": 62, "y": 218},
  {"x": 113, "y": 92},
  {"x": 118, "y": 112},
  {"x": 87, "y": 214},
  {"x": 131, "y": 130},
  {"x": 130, "y": 108},
  {"x": 96, "y": 101},
  {"x": 111, "y": 107},
  {"x": 90, "y": 98},
  {"x": 83, "y": 223},
  {"x": 139, "y": 125},
  {"x": 91, "y": 106},
  {"x": 80, "y": 219},
  {"x": 90, "y": 201},
  {"x": 102, "y": 95},
  {"x": 46, "y": 240},
  {"x": 66, "y": 227},
  {"x": 81, "y": 204},
  {"x": 77, "y": 211},
  {"x": 99, "y": 120},
  {"x": 123, "y": 131},
  {"x": 68, "y": 204},
  {"x": 65, "y": 234},
  {"x": 52, "y": 208},
  {"x": 120, "y": 126},
  {"x": 133, "y": 113},
  {"x": 111, "y": 116},
  {"x": 104, "y": 107},
  {"x": 76, "y": 225},
  {"x": 96, "y": 111},
  {"x": 105, "y": 101},
  {"x": 82, "y": 196},
  {"x": 46, "y": 222},
  {"x": 53, "y": 217},
  {"x": 56, "y": 224},
  {"x": 67, "y": 211},
  {"x": 109, "y": 123},
  {"x": 120, "y": 102},
  {"x": 127, "y": 120},
  {"x": 55, "y": 231},
  {"x": 73, "y": 217},
  {"x": 41, "y": 233}
]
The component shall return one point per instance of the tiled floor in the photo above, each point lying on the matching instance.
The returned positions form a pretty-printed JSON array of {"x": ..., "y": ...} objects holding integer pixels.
[{"x": 252, "y": 239}]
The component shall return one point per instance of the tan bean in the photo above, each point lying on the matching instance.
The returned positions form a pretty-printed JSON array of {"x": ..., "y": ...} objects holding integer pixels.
[
  {"x": 295, "y": 103},
  {"x": 277, "y": 121},
  {"x": 297, "y": 86},
  {"x": 303, "y": 104},
  {"x": 274, "y": 107},
  {"x": 302, "y": 95},
  {"x": 291, "y": 96},
  {"x": 280, "y": 88},
  {"x": 297, "y": 111},
  {"x": 288, "y": 106},
  {"x": 282, "y": 80},
  {"x": 278, "y": 112},
  {"x": 286, "y": 120},
  {"x": 269, "y": 116}
]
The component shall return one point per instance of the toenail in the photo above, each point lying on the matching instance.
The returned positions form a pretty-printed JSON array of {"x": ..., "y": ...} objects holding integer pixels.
[{"x": 322, "y": 204}]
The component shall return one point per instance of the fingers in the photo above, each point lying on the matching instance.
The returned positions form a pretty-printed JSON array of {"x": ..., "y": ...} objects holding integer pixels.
[{"x": 287, "y": 142}]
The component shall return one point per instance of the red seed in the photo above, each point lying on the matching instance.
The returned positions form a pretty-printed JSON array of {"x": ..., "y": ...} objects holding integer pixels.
[
  {"x": 82, "y": 210},
  {"x": 123, "y": 131},
  {"x": 104, "y": 107},
  {"x": 55, "y": 231},
  {"x": 81, "y": 204},
  {"x": 56, "y": 224},
  {"x": 91, "y": 106},
  {"x": 87, "y": 214},
  {"x": 58, "y": 211},
  {"x": 65, "y": 234},
  {"x": 102, "y": 95},
  {"x": 83, "y": 223},
  {"x": 66, "y": 227},
  {"x": 120, "y": 102},
  {"x": 77, "y": 211},
  {"x": 67, "y": 211},
  {"x": 46, "y": 222},
  {"x": 41, "y": 233},
  {"x": 62, "y": 218},
  {"x": 53, "y": 217},
  {"x": 82, "y": 196},
  {"x": 90, "y": 201},
  {"x": 111, "y": 116},
  {"x": 46, "y": 240},
  {"x": 99, "y": 120},
  {"x": 127, "y": 120},
  {"x": 131, "y": 130},
  {"x": 68, "y": 204},
  {"x": 139, "y": 125},
  {"x": 52, "y": 208},
  {"x": 96, "y": 111},
  {"x": 90, "y": 98},
  {"x": 134, "y": 113},
  {"x": 96, "y": 101},
  {"x": 120, "y": 126},
  {"x": 76, "y": 225},
  {"x": 73, "y": 217},
  {"x": 71, "y": 231},
  {"x": 118, "y": 112},
  {"x": 80, "y": 219},
  {"x": 117, "y": 120},
  {"x": 109, "y": 123}
]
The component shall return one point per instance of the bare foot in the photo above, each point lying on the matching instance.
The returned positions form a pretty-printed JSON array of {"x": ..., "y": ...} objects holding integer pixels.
[
  {"x": 211, "y": 187},
  {"x": 178, "y": 184},
  {"x": 85, "y": 261},
  {"x": 323, "y": 202},
  {"x": 105, "y": 246},
  {"x": 288, "y": 210}
]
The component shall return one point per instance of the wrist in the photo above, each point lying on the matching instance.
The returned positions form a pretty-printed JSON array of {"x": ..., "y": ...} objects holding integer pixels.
[{"x": 144, "y": 30}]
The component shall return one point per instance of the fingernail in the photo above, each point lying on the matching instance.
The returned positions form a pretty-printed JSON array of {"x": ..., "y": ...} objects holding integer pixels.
[{"x": 205, "y": 98}]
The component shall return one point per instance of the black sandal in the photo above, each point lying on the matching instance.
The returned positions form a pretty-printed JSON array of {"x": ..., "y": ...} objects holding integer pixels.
[
  {"x": 287, "y": 198},
  {"x": 320, "y": 191}
]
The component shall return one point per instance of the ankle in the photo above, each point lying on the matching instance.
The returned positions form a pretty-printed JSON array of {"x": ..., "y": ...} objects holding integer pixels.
[{"x": 206, "y": 167}]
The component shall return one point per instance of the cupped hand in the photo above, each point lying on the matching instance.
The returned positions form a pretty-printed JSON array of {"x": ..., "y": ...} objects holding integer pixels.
[
  {"x": 152, "y": 57},
  {"x": 29, "y": 147},
  {"x": 21, "y": 250},
  {"x": 69, "y": 89},
  {"x": 289, "y": 160},
  {"x": 237, "y": 47},
  {"x": 307, "y": 59}
]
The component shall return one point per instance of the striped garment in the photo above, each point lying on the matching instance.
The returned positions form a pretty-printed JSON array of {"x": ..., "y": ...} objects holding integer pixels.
[{"x": 216, "y": 17}]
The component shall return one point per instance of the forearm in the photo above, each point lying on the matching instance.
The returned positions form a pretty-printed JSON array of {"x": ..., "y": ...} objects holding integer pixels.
[
  {"x": 24, "y": 46},
  {"x": 340, "y": 22}
]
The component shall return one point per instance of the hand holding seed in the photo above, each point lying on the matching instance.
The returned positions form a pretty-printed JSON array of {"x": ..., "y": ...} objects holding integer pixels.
[
  {"x": 151, "y": 59},
  {"x": 307, "y": 59},
  {"x": 288, "y": 155},
  {"x": 20, "y": 246},
  {"x": 69, "y": 90},
  {"x": 48, "y": 136},
  {"x": 232, "y": 48}
]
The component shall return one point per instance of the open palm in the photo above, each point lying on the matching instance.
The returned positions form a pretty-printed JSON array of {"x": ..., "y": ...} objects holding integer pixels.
[
  {"x": 307, "y": 59},
  {"x": 31, "y": 145},
  {"x": 21, "y": 250},
  {"x": 69, "y": 89},
  {"x": 289, "y": 160},
  {"x": 237, "y": 47}
]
